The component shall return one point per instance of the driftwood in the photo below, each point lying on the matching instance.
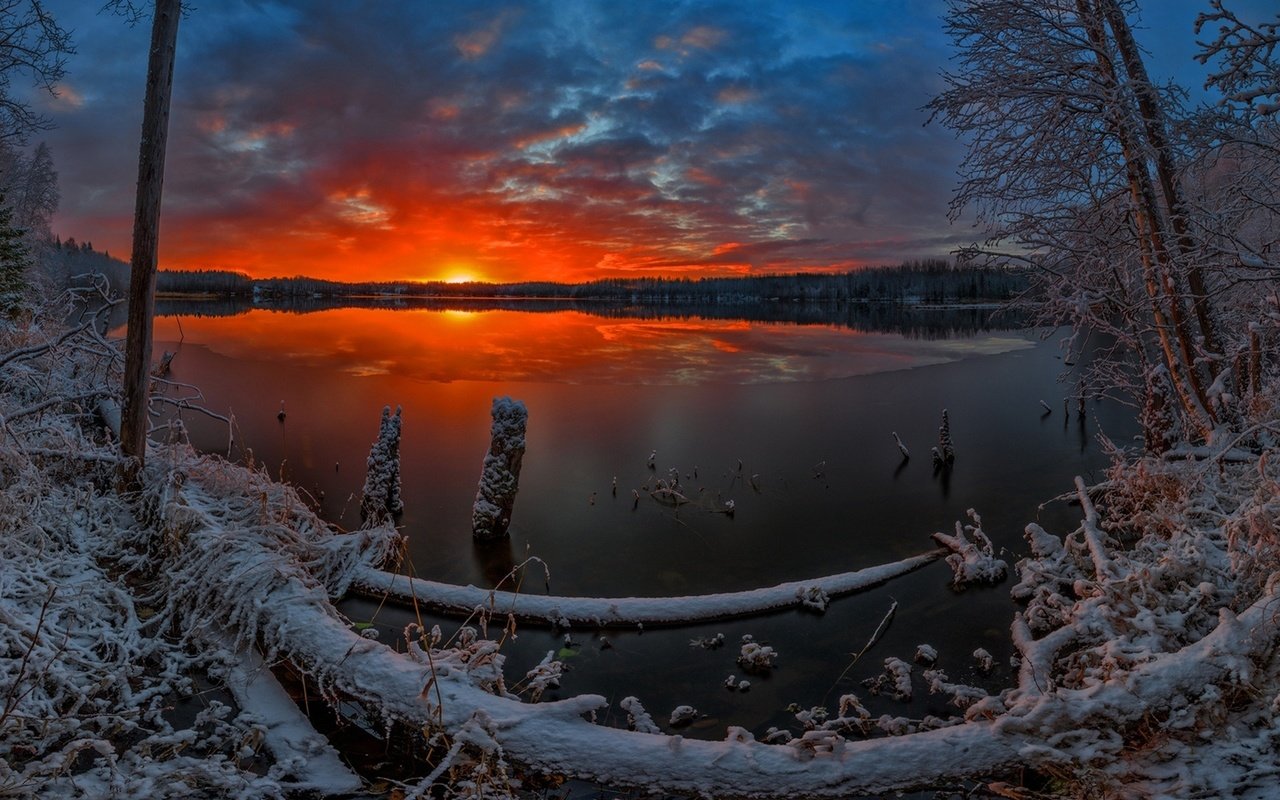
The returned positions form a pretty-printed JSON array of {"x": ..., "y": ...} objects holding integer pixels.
[{"x": 627, "y": 611}]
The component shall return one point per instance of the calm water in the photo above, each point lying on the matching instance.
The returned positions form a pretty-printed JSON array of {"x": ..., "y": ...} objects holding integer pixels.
[{"x": 807, "y": 409}]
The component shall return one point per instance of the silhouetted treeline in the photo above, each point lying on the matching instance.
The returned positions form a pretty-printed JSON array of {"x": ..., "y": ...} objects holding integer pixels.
[
  {"x": 68, "y": 262},
  {"x": 205, "y": 281},
  {"x": 931, "y": 281}
]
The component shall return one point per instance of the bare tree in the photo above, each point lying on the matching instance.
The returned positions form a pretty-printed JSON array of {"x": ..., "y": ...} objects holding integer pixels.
[
  {"x": 1073, "y": 168},
  {"x": 31, "y": 41},
  {"x": 146, "y": 229},
  {"x": 35, "y": 194}
]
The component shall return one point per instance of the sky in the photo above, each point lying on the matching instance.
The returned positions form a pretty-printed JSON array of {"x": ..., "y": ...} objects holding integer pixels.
[{"x": 542, "y": 140}]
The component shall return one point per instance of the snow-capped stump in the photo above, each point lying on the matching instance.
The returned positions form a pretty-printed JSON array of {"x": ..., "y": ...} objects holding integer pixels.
[
  {"x": 637, "y": 718},
  {"x": 682, "y": 715},
  {"x": 813, "y": 598},
  {"x": 985, "y": 662},
  {"x": 380, "y": 497},
  {"x": 944, "y": 439},
  {"x": 500, "y": 477},
  {"x": 756, "y": 657},
  {"x": 926, "y": 654},
  {"x": 972, "y": 561},
  {"x": 900, "y": 674}
]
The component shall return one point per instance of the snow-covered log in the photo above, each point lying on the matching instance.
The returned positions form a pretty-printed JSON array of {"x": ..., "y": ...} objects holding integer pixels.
[
  {"x": 500, "y": 477},
  {"x": 288, "y": 734},
  {"x": 380, "y": 498},
  {"x": 292, "y": 616},
  {"x": 616, "y": 611}
]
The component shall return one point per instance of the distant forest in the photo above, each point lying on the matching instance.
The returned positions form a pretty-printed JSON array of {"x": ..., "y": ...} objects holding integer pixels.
[{"x": 933, "y": 281}]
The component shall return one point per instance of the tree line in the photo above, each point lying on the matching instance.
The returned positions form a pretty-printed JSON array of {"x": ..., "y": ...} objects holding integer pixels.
[{"x": 930, "y": 281}]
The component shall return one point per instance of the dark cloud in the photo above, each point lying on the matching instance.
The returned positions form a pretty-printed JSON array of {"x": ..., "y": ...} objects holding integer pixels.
[{"x": 539, "y": 139}]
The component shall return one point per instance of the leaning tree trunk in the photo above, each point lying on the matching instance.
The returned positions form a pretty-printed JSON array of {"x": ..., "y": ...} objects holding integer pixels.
[
  {"x": 1156, "y": 129},
  {"x": 1159, "y": 274},
  {"x": 146, "y": 230}
]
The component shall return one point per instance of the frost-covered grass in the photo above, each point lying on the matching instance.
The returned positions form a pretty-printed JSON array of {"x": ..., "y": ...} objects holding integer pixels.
[{"x": 89, "y": 670}]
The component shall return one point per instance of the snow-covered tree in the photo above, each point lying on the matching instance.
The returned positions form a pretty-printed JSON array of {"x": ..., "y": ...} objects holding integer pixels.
[
  {"x": 1074, "y": 168},
  {"x": 14, "y": 260},
  {"x": 1249, "y": 72}
]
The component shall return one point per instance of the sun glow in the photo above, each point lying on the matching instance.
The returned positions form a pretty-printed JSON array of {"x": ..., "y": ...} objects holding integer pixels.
[{"x": 458, "y": 272}]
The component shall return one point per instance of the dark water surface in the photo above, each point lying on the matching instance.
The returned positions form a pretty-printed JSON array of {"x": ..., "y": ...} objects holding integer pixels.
[{"x": 807, "y": 409}]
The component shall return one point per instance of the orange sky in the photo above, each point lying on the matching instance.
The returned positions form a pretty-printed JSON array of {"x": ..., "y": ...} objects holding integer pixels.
[{"x": 518, "y": 141}]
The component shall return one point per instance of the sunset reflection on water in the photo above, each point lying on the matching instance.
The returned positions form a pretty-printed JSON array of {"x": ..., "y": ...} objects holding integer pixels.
[
  {"x": 792, "y": 422},
  {"x": 566, "y": 347}
]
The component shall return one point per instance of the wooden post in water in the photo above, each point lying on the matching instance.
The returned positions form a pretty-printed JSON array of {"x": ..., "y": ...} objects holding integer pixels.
[{"x": 500, "y": 477}]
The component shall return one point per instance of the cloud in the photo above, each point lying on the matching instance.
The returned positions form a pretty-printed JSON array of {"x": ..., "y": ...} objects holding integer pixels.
[{"x": 531, "y": 139}]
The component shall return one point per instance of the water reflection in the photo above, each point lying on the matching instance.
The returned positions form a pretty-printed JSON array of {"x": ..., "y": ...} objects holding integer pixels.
[
  {"x": 744, "y": 409},
  {"x": 621, "y": 347},
  {"x": 915, "y": 321}
]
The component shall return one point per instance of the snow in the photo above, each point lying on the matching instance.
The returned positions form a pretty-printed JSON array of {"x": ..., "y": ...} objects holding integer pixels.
[
  {"x": 288, "y": 734},
  {"x": 637, "y": 718},
  {"x": 972, "y": 561},
  {"x": 926, "y": 654},
  {"x": 756, "y": 657}
]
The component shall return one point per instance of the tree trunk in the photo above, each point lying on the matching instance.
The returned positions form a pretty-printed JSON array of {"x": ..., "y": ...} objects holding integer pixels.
[
  {"x": 146, "y": 230},
  {"x": 1159, "y": 273},
  {"x": 1156, "y": 130}
]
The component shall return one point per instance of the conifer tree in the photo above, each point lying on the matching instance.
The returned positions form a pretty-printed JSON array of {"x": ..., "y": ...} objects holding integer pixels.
[{"x": 14, "y": 260}]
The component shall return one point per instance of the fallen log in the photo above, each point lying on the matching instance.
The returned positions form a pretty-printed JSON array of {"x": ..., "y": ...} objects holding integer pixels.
[
  {"x": 620, "y": 611},
  {"x": 287, "y": 608}
]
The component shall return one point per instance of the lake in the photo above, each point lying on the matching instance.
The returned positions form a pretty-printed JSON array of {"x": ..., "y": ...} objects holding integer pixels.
[{"x": 807, "y": 406}]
